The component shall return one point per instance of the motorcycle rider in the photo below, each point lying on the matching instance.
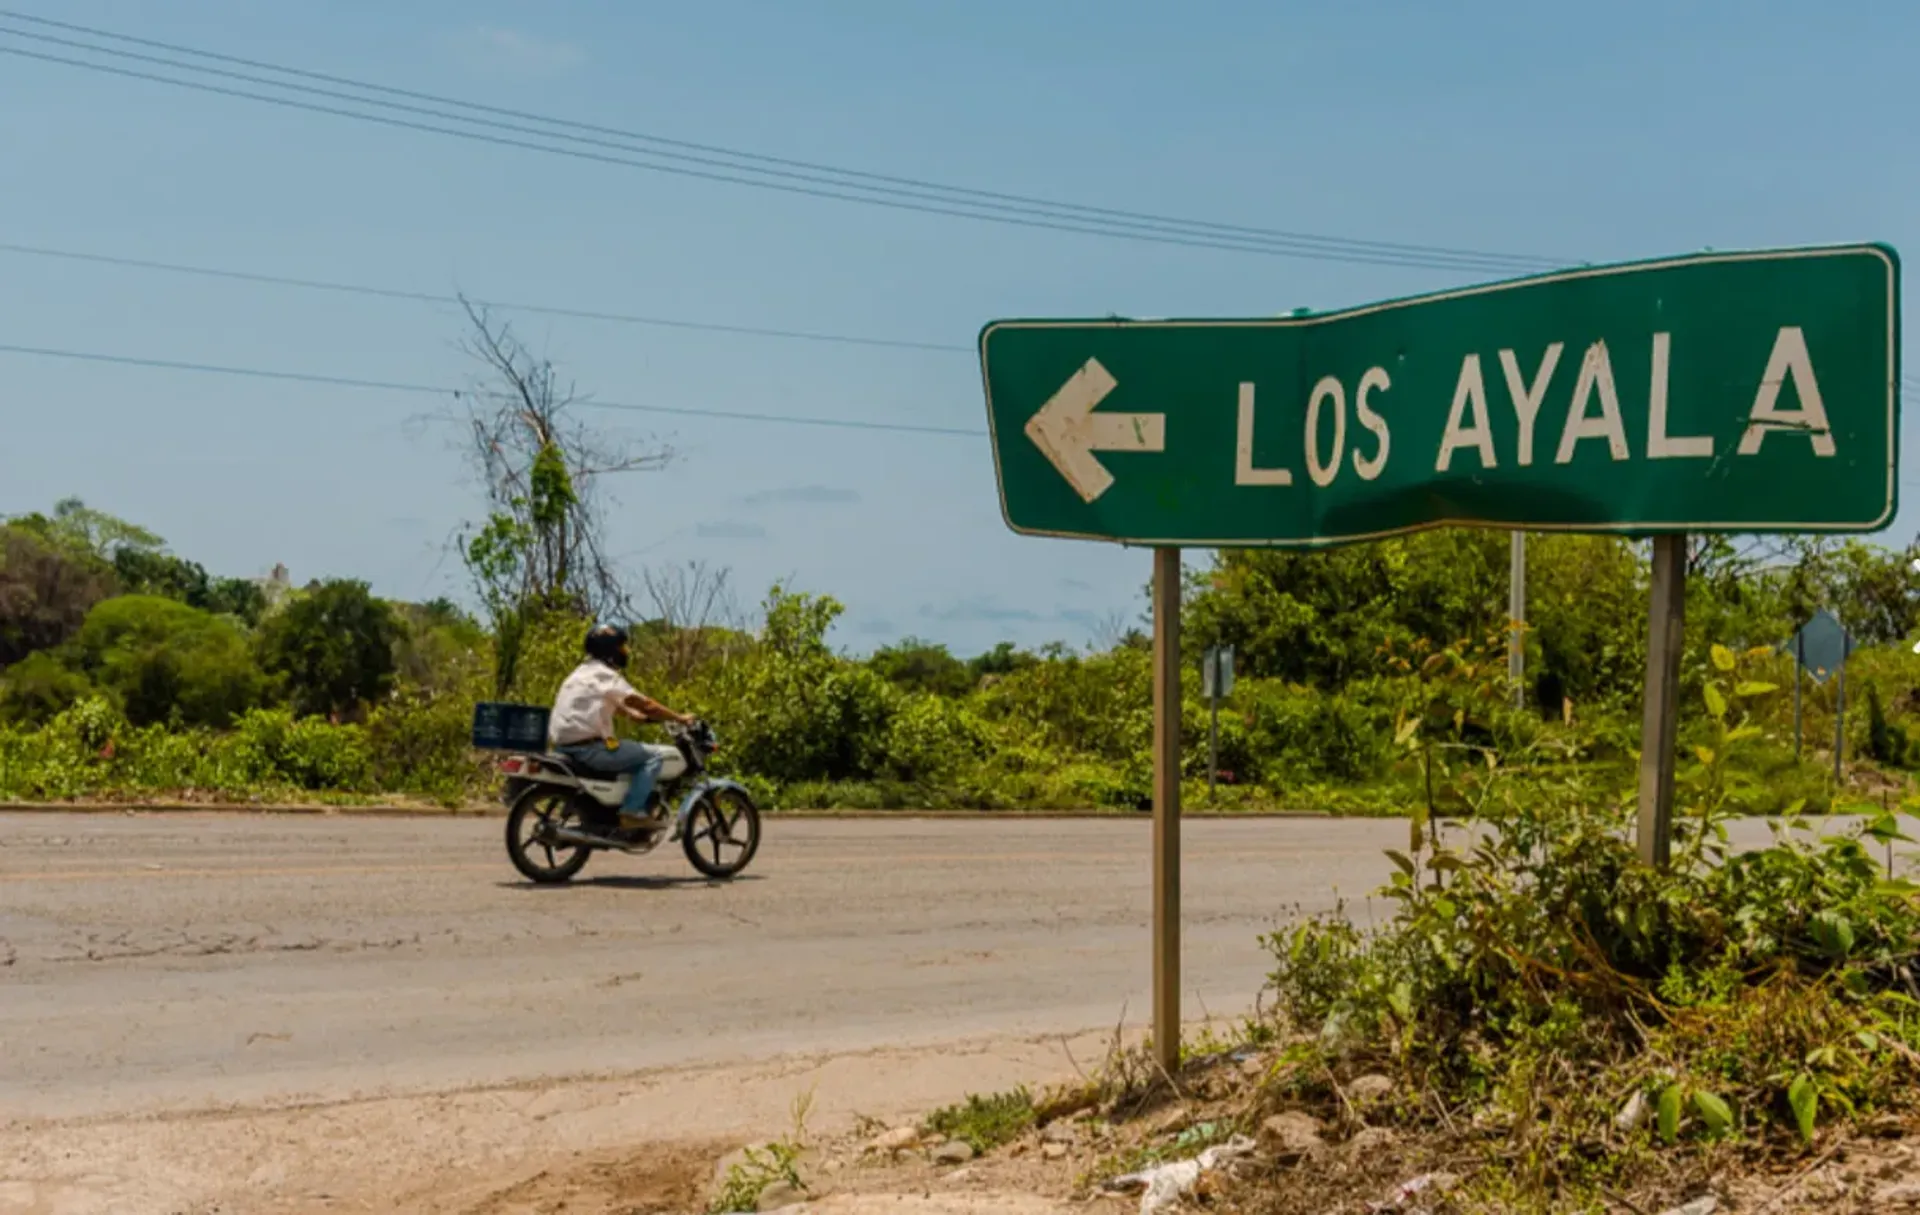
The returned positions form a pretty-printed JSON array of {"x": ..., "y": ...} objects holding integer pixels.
[{"x": 581, "y": 725}]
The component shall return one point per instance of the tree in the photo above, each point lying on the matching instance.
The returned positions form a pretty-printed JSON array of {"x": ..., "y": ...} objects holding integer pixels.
[
  {"x": 1322, "y": 617},
  {"x": 39, "y": 686},
  {"x": 46, "y": 591},
  {"x": 923, "y": 666},
  {"x": 79, "y": 528},
  {"x": 1003, "y": 659},
  {"x": 332, "y": 649},
  {"x": 540, "y": 549},
  {"x": 237, "y": 597},
  {"x": 167, "y": 663},
  {"x": 147, "y": 571},
  {"x": 695, "y": 619}
]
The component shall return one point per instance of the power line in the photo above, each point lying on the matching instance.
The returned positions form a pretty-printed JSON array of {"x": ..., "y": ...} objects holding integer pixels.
[
  {"x": 1037, "y": 217},
  {"x": 337, "y": 381},
  {"x": 427, "y": 297},
  {"x": 814, "y": 167}
]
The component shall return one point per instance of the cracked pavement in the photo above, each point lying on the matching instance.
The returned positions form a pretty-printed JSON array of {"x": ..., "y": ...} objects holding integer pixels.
[{"x": 181, "y": 960}]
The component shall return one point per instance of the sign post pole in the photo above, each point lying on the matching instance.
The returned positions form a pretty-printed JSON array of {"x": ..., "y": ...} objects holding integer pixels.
[
  {"x": 1839, "y": 720},
  {"x": 1517, "y": 616},
  {"x": 1799, "y": 674},
  {"x": 1166, "y": 808},
  {"x": 1666, "y": 625},
  {"x": 1213, "y": 742}
]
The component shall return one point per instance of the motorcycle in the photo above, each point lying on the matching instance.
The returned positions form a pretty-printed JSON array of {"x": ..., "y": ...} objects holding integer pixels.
[{"x": 554, "y": 810}]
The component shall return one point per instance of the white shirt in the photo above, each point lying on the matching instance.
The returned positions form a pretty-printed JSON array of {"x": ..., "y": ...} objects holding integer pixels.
[{"x": 583, "y": 708}]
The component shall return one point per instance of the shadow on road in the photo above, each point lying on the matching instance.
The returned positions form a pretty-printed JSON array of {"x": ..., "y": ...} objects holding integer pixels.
[{"x": 635, "y": 882}]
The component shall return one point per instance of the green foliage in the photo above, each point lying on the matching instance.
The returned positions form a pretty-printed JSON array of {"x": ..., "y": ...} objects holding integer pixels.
[
  {"x": 931, "y": 740},
  {"x": 418, "y": 743},
  {"x": 1886, "y": 742},
  {"x": 1534, "y": 972},
  {"x": 985, "y": 1123},
  {"x": 1003, "y": 659},
  {"x": 306, "y": 753},
  {"x": 332, "y": 650},
  {"x": 35, "y": 690},
  {"x": 81, "y": 530},
  {"x": 765, "y": 1165},
  {"x": 168, "y": 663},
  {"x": 46, "y": 591},
  {"x": 1372, "y": 679},
  {"x": 149, "y": 572},
  {"x": 913, "y": 665}
]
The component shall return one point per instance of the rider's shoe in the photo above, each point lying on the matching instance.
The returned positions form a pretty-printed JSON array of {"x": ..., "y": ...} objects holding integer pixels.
[{"x": 649, "y": 815}]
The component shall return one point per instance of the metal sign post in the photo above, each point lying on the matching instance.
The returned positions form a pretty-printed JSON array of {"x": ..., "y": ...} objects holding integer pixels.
[
  {"x": 1666, "y": 629},
  {"x": 1216, "y": 682},
  {"x": 1821, "y": 648},
  {"x": 1166, "y": 808},
  {"x": 1517, "y": 616}
]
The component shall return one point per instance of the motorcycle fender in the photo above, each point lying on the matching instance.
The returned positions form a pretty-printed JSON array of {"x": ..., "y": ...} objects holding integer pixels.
[{"x": 699, "y": 791}]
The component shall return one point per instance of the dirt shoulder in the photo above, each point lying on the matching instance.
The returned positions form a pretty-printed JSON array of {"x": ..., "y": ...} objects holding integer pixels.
[{"x": 644, "y": 1142}]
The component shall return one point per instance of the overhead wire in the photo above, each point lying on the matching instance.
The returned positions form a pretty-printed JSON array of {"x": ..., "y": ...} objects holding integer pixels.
[
  {"x": 1042, "y": 216},
  {"x": 402, "y": 386},
  {"x": 428, "y": 297},
  {"x": 761, "y": 158}
]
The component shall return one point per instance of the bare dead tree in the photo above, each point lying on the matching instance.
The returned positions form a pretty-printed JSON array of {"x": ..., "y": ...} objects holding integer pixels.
[
  {"x": 695, "y": 615},
  {"x": 1110, "y": 631},
  {"x": 542, "y": 471}
]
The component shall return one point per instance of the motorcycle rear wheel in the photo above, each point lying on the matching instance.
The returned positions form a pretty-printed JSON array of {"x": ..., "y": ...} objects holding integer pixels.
[
  {"x": 530, "y": 826},
  {"x": 723, "y": 833}
]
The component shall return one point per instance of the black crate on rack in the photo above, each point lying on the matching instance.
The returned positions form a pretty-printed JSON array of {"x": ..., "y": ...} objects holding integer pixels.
[{"x": 507, "y": 727}]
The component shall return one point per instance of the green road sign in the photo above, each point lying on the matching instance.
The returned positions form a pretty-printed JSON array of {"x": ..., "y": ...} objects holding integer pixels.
[{"x": 1735, "y": 392}]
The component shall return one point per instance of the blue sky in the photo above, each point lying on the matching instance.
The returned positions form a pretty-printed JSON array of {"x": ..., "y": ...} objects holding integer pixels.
[{"x": 1562, "y": 131}]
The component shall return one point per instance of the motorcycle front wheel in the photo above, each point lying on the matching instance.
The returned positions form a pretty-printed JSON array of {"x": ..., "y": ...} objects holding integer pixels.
[
  {"x": 531, "y": 844},
  {"x": 723, "y": 833}
]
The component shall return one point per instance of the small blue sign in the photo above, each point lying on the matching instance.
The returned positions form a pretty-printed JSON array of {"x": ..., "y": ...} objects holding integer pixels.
[{"x": 1821, "y": 645}]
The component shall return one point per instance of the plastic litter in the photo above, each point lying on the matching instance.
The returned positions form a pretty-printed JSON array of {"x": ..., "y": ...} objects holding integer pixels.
[
  {"x": 1403, "y": 1198},
  {"x": 1165, "y": 1185}
]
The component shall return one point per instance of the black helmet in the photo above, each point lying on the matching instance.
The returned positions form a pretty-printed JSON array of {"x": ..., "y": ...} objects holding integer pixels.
[{"x": 608, "y": 643}]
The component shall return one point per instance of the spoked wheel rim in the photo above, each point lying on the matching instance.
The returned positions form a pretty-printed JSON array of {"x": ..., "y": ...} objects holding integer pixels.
[
  {"x": 537, "y": 852},
  {"x": 723, "y": 833}
]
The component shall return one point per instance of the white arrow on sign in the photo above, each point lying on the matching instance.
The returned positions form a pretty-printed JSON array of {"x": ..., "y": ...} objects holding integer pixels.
[{"x": 1068, "y": 432}]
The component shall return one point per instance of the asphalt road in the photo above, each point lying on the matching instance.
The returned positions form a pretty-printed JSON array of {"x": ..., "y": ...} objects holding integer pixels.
[{"x": 186, "y": 960}]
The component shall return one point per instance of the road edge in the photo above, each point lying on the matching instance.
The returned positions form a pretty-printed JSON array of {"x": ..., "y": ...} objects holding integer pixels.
[{"x": 402, "y": 811}]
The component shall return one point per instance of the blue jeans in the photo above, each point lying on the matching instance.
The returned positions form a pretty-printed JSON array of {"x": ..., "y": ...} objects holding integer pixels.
[{"x": 602, "y": 760}]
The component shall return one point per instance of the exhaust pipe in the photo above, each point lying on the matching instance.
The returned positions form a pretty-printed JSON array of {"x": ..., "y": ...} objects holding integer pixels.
[{"x": 584, "y": 839}]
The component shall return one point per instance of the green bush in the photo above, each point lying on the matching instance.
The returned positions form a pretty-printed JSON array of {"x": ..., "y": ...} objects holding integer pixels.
[
  {"x": 1296, "y": 735},
  {"x": 332, "y": 650},
  {"x": 931, "y": 739},
  {"x": 419, "y": 743},
  {"x": 168, "y": 663},
  {"x": 306, "y": 753},
  {"x": 1534, "y": 975},
  {"x": 37, "y": 688}
]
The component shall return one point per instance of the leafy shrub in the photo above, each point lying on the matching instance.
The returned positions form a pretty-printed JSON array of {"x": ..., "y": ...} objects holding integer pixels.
[
  {"x": 419, "y": 743},
  {"x": 306, "y": 753},
  {"x": 332, "y": 649},
  {"x": 1295, "y": 735},
  {"x": 930, "y": 739},
  {"x": 33, "y": 690},
  {"x": 169, "y": 663},
  {"x": 985, "y": 1123},
  {"x": 1535, "y": 973}
]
